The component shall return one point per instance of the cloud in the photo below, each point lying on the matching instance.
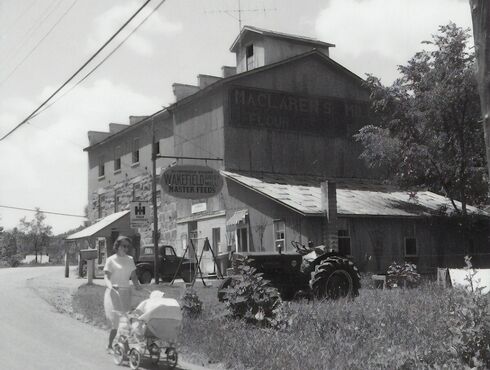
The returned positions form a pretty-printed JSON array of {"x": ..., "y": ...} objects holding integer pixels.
[
  {"x": 142, "y": 41},
  {"x": 43, "y": 163},
  {"x": 370, "y": 33}
]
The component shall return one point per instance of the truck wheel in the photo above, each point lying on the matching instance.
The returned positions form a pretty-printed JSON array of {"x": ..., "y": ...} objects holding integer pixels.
[
  {"x": 187, "y": 275},
  {"x": 145, "y": 277},
  {"x": 335, "y": 277}
]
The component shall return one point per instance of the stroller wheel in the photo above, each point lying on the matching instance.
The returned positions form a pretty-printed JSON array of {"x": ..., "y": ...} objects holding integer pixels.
[
  {"x": 134, "y": 359},
  {"x": 172, "y": 357},
  {"x": 154, "y": 353},
  {"x": 118, "y": 353}
]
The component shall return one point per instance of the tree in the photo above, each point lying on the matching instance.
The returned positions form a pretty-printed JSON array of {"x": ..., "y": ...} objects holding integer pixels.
[
  {"x": 37, "y": 233},
  {"x": 426, "y": 129},
  {"x": 480, "y": 14}
]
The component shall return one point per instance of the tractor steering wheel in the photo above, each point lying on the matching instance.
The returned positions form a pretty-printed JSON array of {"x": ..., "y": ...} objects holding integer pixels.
[{"x": 299, "y": 247}]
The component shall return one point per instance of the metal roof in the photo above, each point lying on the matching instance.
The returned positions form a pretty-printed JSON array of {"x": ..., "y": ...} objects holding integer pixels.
[
  {"x": 281, "y": 35},
  {"x": 354, "y": 198},
  {"x": 99, "y": 226}
]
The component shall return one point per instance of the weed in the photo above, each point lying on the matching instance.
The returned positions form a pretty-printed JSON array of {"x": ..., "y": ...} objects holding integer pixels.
[{"x": 191, "y": 304}]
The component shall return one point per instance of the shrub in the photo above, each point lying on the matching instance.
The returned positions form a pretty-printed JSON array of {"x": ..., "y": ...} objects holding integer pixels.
[
  {"x": 252, "y": 298},
  {"x": 402, "y": 275},
  {"x": 14, "y": 261},
  {"x": 191, "y": 304},
  {"x": 468, "y": 323}
]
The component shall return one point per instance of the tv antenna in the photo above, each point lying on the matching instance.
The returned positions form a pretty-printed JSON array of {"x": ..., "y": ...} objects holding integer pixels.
[{"x": 237, "y": 13}]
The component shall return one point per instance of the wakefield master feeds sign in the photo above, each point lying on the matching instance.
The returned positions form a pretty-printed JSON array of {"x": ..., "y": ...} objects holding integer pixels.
[{"x": 191, "y": 182}]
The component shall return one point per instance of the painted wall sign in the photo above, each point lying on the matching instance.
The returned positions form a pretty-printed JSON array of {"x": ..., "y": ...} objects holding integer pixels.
[
  {"x": 191, "y": 182},
  {"x": 292, "y": 112}
]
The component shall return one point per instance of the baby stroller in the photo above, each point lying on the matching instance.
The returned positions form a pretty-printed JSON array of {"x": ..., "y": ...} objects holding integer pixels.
[{"x": 150, "y": 330}]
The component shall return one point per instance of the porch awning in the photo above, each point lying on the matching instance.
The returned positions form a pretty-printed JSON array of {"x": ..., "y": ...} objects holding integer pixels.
[
  {"x": 101, "y": 227},
  {"x": 236, "y": 218}
]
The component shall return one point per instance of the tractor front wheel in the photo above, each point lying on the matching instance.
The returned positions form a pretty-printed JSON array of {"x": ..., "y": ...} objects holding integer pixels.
[{"x": 334, "y": 278}]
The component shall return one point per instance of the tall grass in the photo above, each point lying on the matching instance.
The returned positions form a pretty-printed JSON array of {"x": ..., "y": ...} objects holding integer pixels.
[{"x": 389, "y": 329}]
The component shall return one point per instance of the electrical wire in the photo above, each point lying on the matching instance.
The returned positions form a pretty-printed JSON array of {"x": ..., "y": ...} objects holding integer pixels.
[
  {"x": 78, "y": 71},
  {"x": 37, "y": 44},
  {"x": 40, "y": 210},
  {"x": 17, "y": 19},
  {"x": 46, "y": 14},
  {"x": 101, "y": 62}
]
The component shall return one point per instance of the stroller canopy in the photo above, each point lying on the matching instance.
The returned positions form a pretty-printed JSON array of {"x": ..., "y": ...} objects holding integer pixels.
[{"x": 160, "y": 308}]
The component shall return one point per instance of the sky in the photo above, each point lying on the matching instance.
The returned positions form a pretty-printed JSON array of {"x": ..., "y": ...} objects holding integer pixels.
[{"x": 43, "y": 42}]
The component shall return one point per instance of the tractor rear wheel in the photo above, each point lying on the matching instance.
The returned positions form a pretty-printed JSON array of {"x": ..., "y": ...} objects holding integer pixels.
[{"x": 335, "y": 277}]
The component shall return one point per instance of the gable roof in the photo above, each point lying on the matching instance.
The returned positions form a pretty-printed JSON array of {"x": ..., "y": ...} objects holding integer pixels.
[
  {"x": 354, "y": 198},
  {"x": 279, "y": 35},
  {"x": 308, "y": 54},
  {"x": 223, "y": 81}
]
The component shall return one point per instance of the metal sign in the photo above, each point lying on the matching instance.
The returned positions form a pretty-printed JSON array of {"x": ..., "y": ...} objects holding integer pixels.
[
  {"x": 191, "y": 182},
  {"x": 140, "y": 214}
]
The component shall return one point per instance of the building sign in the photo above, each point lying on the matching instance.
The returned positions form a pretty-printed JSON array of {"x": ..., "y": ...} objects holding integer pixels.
[
  {"x": 191, "y": 182},
  {"x": 292, "y": 112},
  {"x": 198, "y": 207},
  {"x": 140, "y": 214}
]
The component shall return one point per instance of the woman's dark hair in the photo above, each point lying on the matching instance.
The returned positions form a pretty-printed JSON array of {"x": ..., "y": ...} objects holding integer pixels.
[{"x": 118, "y": 242}]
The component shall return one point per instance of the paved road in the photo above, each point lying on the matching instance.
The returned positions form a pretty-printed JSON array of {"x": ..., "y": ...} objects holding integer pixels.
[{"x": 35, "y": 336}]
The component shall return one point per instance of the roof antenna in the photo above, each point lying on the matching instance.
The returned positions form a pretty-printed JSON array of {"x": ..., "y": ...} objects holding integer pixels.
[{"x": 237, "y": 13}]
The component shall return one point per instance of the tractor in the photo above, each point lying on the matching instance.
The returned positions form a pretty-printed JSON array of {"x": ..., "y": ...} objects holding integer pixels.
[{"x": 308, "y": 272}]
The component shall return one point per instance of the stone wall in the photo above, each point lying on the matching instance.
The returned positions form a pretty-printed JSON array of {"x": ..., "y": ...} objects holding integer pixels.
[{"x": 103, "y": 203}]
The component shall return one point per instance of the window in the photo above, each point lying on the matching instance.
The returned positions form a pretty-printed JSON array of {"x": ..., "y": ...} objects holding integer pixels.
[
  {"x": 249, "y": 51},
  {"x": 242, "y": 239},
  {"x": 280, "y": 234},
  {"x": 117, "y": 159},
  {"x": 116, "y": 200},
  {"x": 216, "y": 239},
  {"x": 136, "y": 151},
  {"x": 100, "y": 209},
  {"x": 169, "y": 251},
  {"x": 410, "y": 247},
  {"x": 344, "y": 242},
  {"x": 136, "y": 192},
  {"x": 101, "y": 167},
  {"x": 148, "y": 251}
]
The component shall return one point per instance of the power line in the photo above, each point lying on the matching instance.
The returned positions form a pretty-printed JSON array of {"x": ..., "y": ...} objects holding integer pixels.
[
  {"x": 40, "y": 210},
  {"x": 37, "y": 44},
  {"x": 17, "y": 19},
  {"x": 78, "y": 70},
  {"x": 48, "y": 11},
  {"x": 102, "y": 61}
]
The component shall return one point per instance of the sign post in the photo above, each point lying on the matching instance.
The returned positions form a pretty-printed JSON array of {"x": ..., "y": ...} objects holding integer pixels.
[{"x": 192, "y": 182}]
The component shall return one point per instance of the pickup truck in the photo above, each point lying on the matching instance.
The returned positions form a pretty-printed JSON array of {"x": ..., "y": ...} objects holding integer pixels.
[{"x": 168, "y": 265}]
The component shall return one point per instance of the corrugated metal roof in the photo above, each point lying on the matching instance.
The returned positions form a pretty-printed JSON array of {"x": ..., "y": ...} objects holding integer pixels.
[
  {"x": 353, "y": 198},
  {"x": 92, "y": 230}
]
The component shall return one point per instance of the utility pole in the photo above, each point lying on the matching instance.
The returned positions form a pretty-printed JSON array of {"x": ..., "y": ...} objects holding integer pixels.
[{"x": 156, "y": 252}]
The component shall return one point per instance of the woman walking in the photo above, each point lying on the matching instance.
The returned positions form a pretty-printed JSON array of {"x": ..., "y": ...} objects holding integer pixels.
[{"x": 118, "y": 269}]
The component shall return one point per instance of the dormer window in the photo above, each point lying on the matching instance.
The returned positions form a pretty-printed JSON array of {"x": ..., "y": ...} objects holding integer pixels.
[{"x": 249, "y": 52}]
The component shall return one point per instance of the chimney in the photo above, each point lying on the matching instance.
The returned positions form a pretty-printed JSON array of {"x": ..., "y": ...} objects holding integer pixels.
[
  {"x": 206, "y": 80},
  {"x": 136, "y": 119},
  {"x": 329, "y": 207},
  {"x": 182, "y": 91},
  {"x": 228, "y": 71},
  {"x": 116, "y": 127},
  {"x": 95, "y": 137}
]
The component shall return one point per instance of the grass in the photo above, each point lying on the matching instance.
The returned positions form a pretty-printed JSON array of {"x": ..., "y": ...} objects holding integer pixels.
[{"x": 380, "y": 329}]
